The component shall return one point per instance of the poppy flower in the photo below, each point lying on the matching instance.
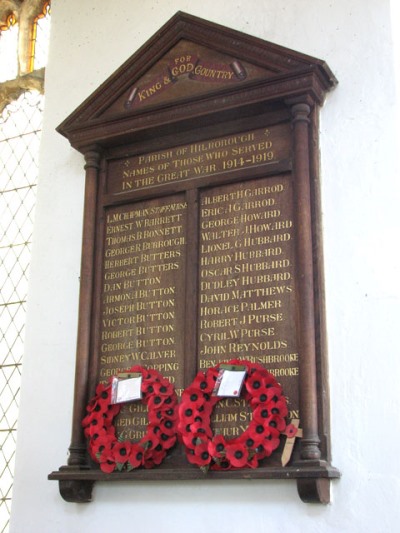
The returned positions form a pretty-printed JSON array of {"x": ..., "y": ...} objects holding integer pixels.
[
  {"x": 95, "y": 429},
  {"x": 94, "y": 418},
  {"x": 103, "y": 391},
  {"x": 169, "y": 413},
  {"x": 275, "y": 392},
  {"x": 156, "y": 386},
  {"x": 101, "y": 447},
  {"x": 222, "y": 464},
  {"x": 187, "y": 414},
  {"x": 254, "y": 382},
  {"x": 110, "y": 431},
  {"x": 182, "y": 429},
  {"x": 108, "y": 465},
  {"x": 97, "y": 404},
  {"x": 264, "y": 395},
  {"x": 164, "y": 388},
  {"x": 291, "y": 431},
  {"x": 149, "y": 374},
  {"x": 198, "y": 400},
  {"x": 103, "y": 404},
  {"x": 153, "y": 431},
  {"x": 277, "y": 422},
  {"x": 200, "y": 455},
  {"x": 207, "y": 408},
  {"x": 261, "y": 413},
  {"x": 191, "y": 419},
  {"x": 102, "y": 399},
  {"x": 87, "y": 421},
  {"x": 91, "y": 405},
  {"x": 136, "y": 456},
  {"x": 210, "y": 377},
  {"x": 204, "y": 430},
  {"x": 166, "y": 412},
  {"x": 217, "y": 446},
  {"x": 154, "y": 450},
  {"x": 271, "y": 443},
  {"x": 250, "y": 438},
  {"x": 257, "y": 430},
  {"x": 279, "y": 408},
  {"x": 137, "y": 369},
  {"x": 195, "y": 398},
  {"x": 156, "y": 459},
  {"x": 203, "y": 384},
  {"x": 147, "y": 387},
  {"x": 154, "y": 416},
  {"x": 252, "y": 461},
  {"x": 167, "y": 426},
  {"x": 103, "y": 416},
  {"x": 191, "y": 440},
  {"x": 111, "y": 412},
  {"x": 121, "y": 451},
  {"x": 155, "y": 401},
  {"x": 167, "y": 441},
  {"x": 149, "y": 443},
  {"x": 237, "y": 455}
]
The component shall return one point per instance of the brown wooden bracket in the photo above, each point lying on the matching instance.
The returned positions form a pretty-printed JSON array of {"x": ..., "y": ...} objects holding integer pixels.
[
  {"x": 314, "y": 490},
  {"x": 75, "y": 490}
]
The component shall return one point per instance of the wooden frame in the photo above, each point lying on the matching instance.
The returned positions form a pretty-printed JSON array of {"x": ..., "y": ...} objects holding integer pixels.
[{"x": 283, "y": 88}]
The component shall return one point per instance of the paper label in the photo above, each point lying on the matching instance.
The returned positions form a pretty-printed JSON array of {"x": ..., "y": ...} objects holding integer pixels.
[
  {"x": 126, "y": 389},
  {"x": 229, "y": 381}
]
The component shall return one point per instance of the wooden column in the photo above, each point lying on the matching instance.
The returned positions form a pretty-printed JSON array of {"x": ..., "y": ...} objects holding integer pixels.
[
  {"x": 81, "y": 491},
  {"x": 305, "y": 307}
]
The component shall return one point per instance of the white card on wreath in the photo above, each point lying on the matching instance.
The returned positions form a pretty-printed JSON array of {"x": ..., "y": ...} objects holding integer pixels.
[
  {"x": 127, "y": 390},
  {"x": 231, "y": 383}
]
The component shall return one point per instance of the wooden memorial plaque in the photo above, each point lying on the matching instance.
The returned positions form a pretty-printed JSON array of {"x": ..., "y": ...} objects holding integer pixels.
[{"x": 201, "y": 239}]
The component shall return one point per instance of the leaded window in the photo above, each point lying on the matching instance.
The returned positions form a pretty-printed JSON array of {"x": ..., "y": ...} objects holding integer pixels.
[{"x": 24, "y": 31}]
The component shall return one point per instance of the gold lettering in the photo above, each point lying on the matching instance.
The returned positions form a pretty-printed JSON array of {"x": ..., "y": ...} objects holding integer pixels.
[
  {"x": 204, "y": 158},
  {"x": 225, "y": 417},
  {"x": 131, "y": 434},
  {"x": 230, "y": 432},
  {"x": 284, "y": 372}
]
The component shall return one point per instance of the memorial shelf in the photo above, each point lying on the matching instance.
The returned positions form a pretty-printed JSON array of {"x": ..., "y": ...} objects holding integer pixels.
[{"x": 202, "y": 245}]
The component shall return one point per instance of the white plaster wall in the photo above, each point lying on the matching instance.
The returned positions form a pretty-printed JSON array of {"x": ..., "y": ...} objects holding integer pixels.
[{"x": 89, "y": 40}]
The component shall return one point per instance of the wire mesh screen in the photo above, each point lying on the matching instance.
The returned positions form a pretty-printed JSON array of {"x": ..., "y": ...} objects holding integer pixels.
[{"x": 20, "y": 128}]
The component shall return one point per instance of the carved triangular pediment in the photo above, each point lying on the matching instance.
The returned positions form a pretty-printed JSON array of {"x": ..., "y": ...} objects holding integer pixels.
[
  {"x": 192, "y": 67},
  {"x": 186, "y": 71}
]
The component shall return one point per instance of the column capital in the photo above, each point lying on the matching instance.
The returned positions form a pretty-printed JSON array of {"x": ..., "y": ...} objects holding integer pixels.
[
  {"x": 92, "y": 157},
  {"x": 300, "y": 112}
]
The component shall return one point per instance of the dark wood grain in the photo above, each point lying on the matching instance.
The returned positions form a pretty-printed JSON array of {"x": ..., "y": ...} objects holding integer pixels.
[{"x": 201, "y": 207}]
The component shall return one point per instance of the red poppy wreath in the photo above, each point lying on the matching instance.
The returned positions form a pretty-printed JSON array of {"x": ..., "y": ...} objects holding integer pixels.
[
  {"x": 103, "y": 445},
  {"x": 259, "y": 440}
]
